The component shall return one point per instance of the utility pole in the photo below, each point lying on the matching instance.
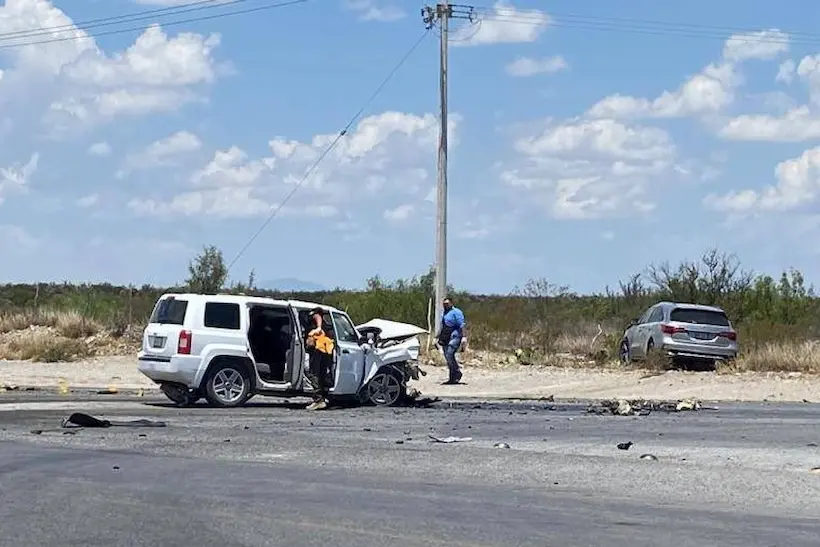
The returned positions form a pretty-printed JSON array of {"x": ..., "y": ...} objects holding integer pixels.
[{"x": 442, "y": 13}]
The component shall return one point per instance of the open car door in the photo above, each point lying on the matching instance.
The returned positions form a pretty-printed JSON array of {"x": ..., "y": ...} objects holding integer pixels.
[{"x": 350, "y": 356}]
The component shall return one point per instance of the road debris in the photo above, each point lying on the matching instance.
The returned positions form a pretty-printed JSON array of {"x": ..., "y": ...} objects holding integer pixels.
[
  {"x": 640, "y": 407},
  {"x": 625, "y": 446},
  {"x": 448, "y": 440},
  {"x": 9, "y": 387},
  {"x": 650, "y": 457},
  {"x": 501, "y": 445},
  {"x": 78, "y": 419}
]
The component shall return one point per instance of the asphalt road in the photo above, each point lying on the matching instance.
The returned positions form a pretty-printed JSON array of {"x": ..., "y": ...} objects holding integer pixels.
[{"x": 275, "y": 474}]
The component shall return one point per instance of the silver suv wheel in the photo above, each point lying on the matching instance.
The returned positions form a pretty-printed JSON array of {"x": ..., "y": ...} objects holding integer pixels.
[{"x": 228, "y": 385}]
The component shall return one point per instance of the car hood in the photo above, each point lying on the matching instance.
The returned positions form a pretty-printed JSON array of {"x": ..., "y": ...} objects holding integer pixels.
[{"x": 393, "y": 330}]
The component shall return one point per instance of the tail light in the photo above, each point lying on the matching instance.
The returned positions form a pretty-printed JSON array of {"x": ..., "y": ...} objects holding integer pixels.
[
  {"x": 669, "y": 329},
  {"x": 729, "y": 334},
  {"x": 184, "y": 344}
]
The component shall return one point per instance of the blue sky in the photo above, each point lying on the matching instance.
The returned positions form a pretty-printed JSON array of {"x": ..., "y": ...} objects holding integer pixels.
[{"x": 587, "y": 140}]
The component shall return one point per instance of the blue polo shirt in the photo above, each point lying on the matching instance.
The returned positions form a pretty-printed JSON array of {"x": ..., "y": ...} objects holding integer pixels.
[{"x": 455, "y": 320}]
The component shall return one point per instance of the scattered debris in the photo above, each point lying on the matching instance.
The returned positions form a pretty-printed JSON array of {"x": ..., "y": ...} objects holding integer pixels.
[
  {"x": 501, "y": 445},
  {"x": 624, "y": 407},
  {"x": 140, "y": 392},
  {"x": 9, "y": 387},
  {"x": 815, "y": 470},
  {"x": 399, "y": 442},
  {"x": 812, "y": 445},
  {"x": 116, "y": 468},
  {"x": 110, "y": 390},
  {"x": 449, "y": 440},
  {"x": 62, "y": 386},
  {"x": 650, "y": 457},
  {"x": 625, "y": 446},
  {"x": 78, "y": 419}
]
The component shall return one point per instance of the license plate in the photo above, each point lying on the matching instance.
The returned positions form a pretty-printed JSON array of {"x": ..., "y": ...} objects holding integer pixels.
[
  {"x": 157, "y": 341},
  {"x": 702, "y": 335}
]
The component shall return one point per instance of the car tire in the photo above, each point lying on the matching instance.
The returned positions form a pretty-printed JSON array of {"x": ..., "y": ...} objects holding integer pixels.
[
  {"x": 623, "y": 352},
  {"x": 386, "y": 388},
  {"x": 228, "y": 384}
]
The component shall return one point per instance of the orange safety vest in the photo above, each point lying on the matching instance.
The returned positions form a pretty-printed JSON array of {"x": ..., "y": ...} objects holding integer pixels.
[{"x": 322, "y": 342}]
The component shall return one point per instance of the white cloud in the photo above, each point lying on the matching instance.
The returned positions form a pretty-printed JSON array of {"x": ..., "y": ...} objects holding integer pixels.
[
  {"x": 100, "y": 149},
  {"x": 389, "y": 154},
  {"x": 164, "y": 151},
  {"x": 708, "y": 91},
  {"x": 506, "y": 25},
  {"x": 798, "y": 124},
  {"x": 74, "y": 83},
  {"x": 526, "y": 66},
  {"x": 88, "y": 201},
  {"x": 763, "y": 45},
  {"x": 786, "y": 71},
  {"x": 705, "y": 93},
  {"x": 401, "y": 213},
  {"x": 16, "y": 177},
  {"x": 591, "y": 168},
  {"x": 371, "y": 10},
  {"x": 15, "y": 238},
  {"x": 798, "y": 185}
]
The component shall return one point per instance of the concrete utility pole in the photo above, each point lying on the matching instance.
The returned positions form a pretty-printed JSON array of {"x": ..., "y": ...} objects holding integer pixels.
[{"x": 442, "y": 13}]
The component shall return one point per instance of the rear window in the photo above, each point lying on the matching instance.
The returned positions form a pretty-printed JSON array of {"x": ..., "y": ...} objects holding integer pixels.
[
  {"x": 222, "y": 315},
  {"x": 169, "y": 311},
  {"x": 699, "y": 317}
]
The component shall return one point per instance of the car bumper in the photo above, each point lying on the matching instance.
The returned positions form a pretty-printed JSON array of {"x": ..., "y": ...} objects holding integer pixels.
[
  {"x": 694, "y": 351},
  {"x": 179, "y": 369}
]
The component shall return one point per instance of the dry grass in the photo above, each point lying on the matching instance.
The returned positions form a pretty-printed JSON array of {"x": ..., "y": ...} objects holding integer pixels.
[
  {"x": 70, "y": 324},
  {"x": 64, "y": 336},
  {"x": 44, "y": 347},
  {"x": 801, "y": 356}
]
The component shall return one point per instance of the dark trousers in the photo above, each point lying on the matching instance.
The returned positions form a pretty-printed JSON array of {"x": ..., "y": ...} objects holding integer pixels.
[{"x": 319, "y": 369}]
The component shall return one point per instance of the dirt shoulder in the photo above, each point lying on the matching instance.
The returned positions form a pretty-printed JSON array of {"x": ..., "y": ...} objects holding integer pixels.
[{"x": 513, "y": 382}]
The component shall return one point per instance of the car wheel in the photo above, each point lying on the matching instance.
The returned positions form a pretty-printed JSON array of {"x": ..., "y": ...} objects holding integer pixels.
[
  {"x": 386, "y": 388},
  {"x": 228, "y": 385},
  {"x": 623, "y": 352}
]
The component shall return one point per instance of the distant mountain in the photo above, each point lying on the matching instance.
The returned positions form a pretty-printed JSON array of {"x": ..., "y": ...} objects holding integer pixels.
[{"x": 290, "y": 284}]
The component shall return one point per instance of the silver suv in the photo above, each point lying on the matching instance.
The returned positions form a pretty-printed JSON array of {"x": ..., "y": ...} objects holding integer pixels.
[{"x": 684, "y": 331}]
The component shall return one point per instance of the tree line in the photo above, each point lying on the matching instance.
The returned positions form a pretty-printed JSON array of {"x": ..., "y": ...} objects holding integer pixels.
[{"x": 764, "y": 308}]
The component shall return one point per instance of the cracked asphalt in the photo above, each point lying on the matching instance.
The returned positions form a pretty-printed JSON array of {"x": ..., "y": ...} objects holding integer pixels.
[{"x": 274, "y": 474}]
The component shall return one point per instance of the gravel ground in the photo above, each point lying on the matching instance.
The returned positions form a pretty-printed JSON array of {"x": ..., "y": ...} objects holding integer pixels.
[{"x": 487, "y": 383}]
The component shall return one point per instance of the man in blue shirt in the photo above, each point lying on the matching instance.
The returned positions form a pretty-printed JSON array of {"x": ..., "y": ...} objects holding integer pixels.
[{"x": 450, "y": 336}]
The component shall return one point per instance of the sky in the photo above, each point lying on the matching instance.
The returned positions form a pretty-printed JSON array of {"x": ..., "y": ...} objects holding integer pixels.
[{"x": 587, "y": 139}]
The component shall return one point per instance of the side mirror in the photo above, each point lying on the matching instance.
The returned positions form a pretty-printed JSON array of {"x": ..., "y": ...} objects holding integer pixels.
[{"x": 633, "y": 322}]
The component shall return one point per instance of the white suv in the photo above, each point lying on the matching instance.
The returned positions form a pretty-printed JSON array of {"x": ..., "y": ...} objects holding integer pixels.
[{"x": 228, "y": 348}]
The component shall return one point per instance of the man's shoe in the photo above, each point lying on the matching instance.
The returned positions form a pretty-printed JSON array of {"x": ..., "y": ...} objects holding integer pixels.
[
  {"x": 313, "y": 406},
  {"x": 320, "y": 405}
]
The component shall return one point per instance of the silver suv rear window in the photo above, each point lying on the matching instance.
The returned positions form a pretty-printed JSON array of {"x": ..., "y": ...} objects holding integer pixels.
[
  {"x": 169, "y": 311},
  {"x": 699, "y": 317}
]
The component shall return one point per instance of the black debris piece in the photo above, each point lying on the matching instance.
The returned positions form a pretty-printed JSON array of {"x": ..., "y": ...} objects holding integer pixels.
[
  {"x": 79, "y": 419},
  {"x": 625, "y": 446}
]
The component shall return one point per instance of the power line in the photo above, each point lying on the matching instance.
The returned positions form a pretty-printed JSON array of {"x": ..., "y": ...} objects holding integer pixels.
[
  {"x": 635, "y": 26},
  {"x": 329, "y": 148},
  {"x": 116, "y": 19},
  {"x": 164, "y": 24}
]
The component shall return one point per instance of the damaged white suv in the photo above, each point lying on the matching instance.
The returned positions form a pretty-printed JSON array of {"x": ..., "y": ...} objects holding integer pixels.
[{"x": 228, "y": 348}]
